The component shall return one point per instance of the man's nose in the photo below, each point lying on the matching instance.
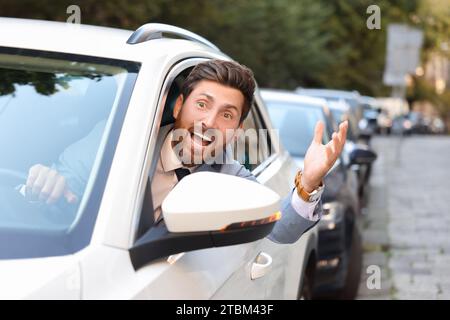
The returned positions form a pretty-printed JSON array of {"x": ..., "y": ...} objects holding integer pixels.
[{"x": 210, "y": 120}]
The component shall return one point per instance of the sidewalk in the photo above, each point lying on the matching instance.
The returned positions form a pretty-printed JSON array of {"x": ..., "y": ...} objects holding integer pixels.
[{"x": 407, "y": 226}]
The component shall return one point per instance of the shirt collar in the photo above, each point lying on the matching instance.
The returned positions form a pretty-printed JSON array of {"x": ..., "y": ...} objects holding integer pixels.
[{"x": 169, "y": 159}]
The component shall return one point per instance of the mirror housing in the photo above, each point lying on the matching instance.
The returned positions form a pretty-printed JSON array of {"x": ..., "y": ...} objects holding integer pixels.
[
  {"x": 206, "y": 210},
  {"x": 362, "y": 155}
]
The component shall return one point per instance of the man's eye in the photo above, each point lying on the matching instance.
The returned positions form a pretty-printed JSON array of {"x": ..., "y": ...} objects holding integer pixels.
[
  {"x": 228, "y": 115},
  {"x": 201, "y": 104}
]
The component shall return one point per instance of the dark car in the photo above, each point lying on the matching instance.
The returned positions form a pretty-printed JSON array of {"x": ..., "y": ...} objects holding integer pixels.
[
  {"x": 401, "y": 125},
  {"x": 375, "y": 118},
  {"x": 352, "y": 98},
  {"x": 419, "y": 123},
  {"x": 339, "y": 267},
  {"x": 340, "y": 112}
]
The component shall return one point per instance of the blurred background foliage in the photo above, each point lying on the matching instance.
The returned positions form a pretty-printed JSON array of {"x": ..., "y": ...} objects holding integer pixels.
[{"x": 287, "y": 43}]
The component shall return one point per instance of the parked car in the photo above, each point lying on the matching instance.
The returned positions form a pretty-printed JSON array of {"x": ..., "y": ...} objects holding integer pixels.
[
  {"x": 419, "y": 123},
  {"x": 341, "y": 111},
  {"x": 425, "y": 124},
  {"x": 378, "y": 120},
  {"x": 59, "y": 81},
  {"x": 438, "y": 126},
  {"x": 361, "y": 126},
  {"x": 415, "y": 122},
  {"x": 401, "y": 125},
  {"x": 384, "y": 122},
  {"x": 352, "y": 98},
  {"x": 371, "y": 112},
  {"x": 339, "y": 265}
]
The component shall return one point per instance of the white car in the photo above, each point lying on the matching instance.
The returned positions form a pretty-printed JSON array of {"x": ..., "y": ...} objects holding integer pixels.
[{"x": 62, "y": 83}]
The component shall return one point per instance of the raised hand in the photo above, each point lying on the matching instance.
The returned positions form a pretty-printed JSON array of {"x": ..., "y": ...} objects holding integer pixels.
[{"x": 320, "y": 158}]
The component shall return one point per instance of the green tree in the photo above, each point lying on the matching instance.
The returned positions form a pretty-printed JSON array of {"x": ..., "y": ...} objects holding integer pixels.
[{"x": 287, "y": 43}]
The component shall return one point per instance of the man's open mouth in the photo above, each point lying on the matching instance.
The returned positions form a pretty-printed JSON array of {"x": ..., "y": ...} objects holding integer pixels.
[{"x": 201, "y": 139}]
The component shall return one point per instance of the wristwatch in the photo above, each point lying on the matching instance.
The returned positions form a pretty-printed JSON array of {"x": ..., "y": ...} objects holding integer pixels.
[{"x": 308, "y": 197}]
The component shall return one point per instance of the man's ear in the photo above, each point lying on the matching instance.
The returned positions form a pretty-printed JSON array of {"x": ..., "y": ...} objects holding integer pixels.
[{"x": 178, "y": 105}]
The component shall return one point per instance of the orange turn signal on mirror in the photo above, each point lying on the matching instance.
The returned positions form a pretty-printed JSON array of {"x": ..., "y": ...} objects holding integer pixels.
[{"x": 275, "y": 217}]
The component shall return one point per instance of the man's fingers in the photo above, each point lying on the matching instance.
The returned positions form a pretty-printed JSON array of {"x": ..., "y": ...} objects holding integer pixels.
[
  {"x": 333, "y": 148},
  {"x": 335, "y": 137},
  {"x": 40, "y": 181},
  {"x": 49, "y": 185},
  {"x": 318, "y": 132},
  {"x": 58, "y": 189},
  {"x": 343, "y": 127},
  {"x": 330, "y": 154},
  {"x": 70, "y": 196},
  {"x": 33, "y": 173},
  {"x": 332, "y": 145},
  {"x": 338, "y": 138}
]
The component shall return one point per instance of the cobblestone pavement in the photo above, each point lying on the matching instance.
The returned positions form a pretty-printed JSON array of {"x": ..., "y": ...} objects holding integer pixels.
[{"x": 407, "y": 220}]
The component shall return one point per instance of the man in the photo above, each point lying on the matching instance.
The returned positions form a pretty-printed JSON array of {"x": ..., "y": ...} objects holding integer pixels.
[{"x": 215, "y": 99}]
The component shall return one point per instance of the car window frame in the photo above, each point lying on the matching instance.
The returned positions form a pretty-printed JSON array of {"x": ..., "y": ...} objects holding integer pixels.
[
  {"x": 150, "y": 162},
  {"x": 272, "y": 154},
  {"x": 262, "y": 152},
  {"x": 143, "y": 194}
]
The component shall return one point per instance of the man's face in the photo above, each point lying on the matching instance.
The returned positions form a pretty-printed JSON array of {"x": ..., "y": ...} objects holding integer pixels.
[{"x": 210, "y": 111}]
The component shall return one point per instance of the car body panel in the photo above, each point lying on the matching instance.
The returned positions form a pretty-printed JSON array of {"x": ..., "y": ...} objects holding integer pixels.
[{"x": 40, "y": 278}]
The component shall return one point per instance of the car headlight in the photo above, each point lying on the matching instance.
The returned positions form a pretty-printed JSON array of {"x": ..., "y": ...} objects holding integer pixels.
[
  {"x": 333, "y": 213},
  {"x": 363, "y": 124}
]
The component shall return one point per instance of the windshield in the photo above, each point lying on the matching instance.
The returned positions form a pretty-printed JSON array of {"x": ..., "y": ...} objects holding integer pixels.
[
  {"x": 56, "y": 114},
  {"x": 295, "y": 122}
]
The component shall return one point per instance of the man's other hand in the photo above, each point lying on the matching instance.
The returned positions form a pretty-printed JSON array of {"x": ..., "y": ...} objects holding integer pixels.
[{"x": 48, "y": 185}]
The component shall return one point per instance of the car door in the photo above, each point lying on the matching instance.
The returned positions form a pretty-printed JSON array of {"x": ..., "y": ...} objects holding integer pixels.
[{"x": 276, "y": 170}]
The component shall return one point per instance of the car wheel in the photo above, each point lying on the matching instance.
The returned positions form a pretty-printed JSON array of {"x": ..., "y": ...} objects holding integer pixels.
[
  {"x": 353, "y": 278},
  {"x": 306, "y": 291}
]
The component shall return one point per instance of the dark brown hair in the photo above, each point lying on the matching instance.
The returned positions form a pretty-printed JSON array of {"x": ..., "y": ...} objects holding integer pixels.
[{"x": 228, "y": 73}]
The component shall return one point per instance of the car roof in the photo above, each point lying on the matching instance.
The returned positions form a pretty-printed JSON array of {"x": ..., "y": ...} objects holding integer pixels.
[
  {"x": 339, "y": 105},
  {"x": 329, "y": 93},
  {"x": 290, "y": 96},
  {"x": 368, "y": 99},
  {"x": 88, "y": 40}
]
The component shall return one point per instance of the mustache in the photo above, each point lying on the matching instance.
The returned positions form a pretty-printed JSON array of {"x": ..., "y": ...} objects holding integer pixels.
[{"x": 202, "y": 129}]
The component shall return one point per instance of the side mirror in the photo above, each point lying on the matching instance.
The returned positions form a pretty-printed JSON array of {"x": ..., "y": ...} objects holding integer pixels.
[
  {"x": 207, "y": 210},
  {"x": 362, "y": 155}
]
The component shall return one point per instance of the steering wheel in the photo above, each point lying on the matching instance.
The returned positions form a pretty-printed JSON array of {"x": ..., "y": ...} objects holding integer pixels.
[{"x": 12, "y": 177}]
